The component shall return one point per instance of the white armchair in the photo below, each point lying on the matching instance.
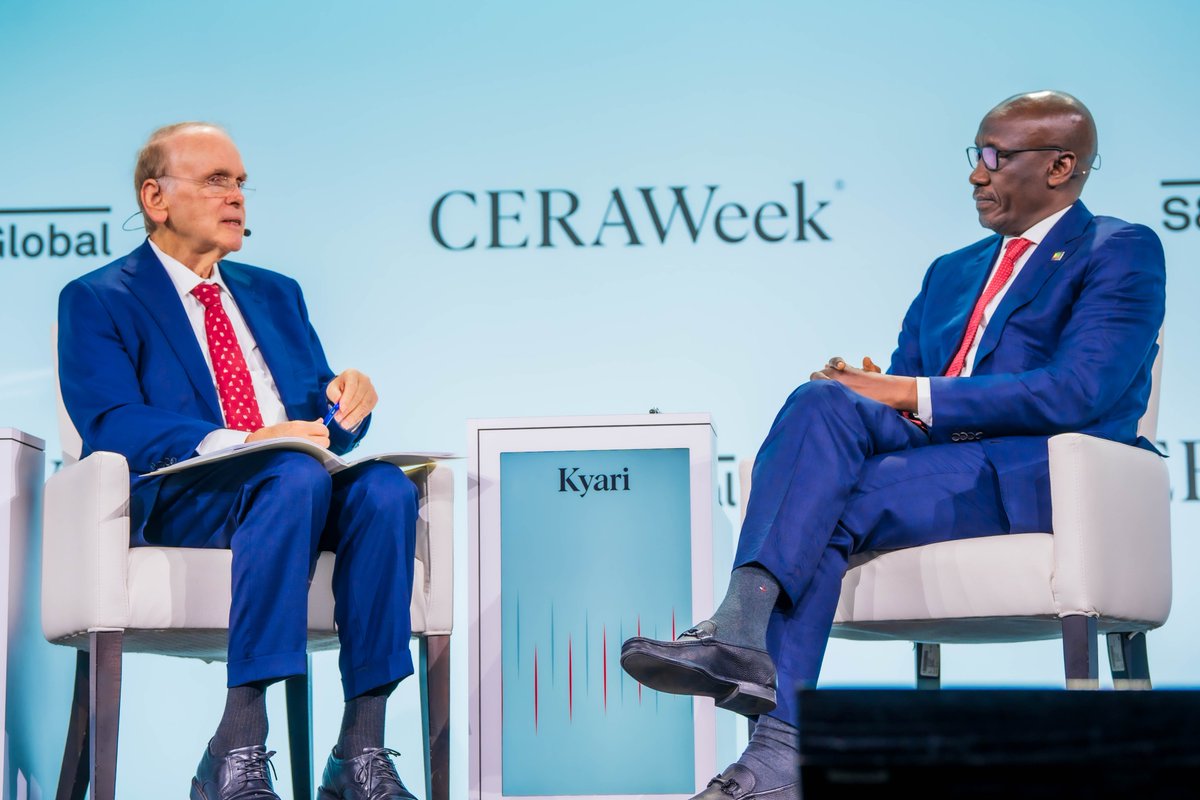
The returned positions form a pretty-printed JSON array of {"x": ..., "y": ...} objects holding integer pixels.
[
  {"x": 1105, "y": 570},
  {"x": 103, "y": 597}
]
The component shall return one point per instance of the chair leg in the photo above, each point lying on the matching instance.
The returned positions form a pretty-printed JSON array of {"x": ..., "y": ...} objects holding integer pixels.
[
  {"x": 73, "y": 778},
  {"x": 435, "y": 702},
  {"x": 104, "y": 711},
  {"x": 298, "y": 690},
  {"x": 1081, "y": 657},
  {"x": 929, "y": 665},
  {"x": 1128, "y": 660}
]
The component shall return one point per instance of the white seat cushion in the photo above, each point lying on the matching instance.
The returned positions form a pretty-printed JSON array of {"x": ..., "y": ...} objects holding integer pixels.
[{"x": 940, "y": 592}]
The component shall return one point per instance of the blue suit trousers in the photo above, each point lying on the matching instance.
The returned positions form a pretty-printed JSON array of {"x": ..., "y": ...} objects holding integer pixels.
[
  {"x": 837, "y": 474},
  {"x": 276, "y": 511}
]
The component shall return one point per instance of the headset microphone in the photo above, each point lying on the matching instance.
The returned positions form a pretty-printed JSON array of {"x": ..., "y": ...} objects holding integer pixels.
[{"x": 245, "y": 231}]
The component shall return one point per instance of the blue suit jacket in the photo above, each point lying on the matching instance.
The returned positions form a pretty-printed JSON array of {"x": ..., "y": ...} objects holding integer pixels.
[
  {"x": 1069, "y": 348},
  {"x": 133, "y": 376}
]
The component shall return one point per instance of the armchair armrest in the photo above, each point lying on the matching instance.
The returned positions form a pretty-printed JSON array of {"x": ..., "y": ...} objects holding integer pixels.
[
  {"x": 1112, "y": 529},
  {"x": 85, "y": 540}
]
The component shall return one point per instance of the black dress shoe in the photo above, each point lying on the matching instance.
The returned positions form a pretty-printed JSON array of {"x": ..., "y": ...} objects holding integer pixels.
[
  {"x": 738, "y": 783},
  {"x": 243, "y": 773},
  {"x": 370, "y": 776},
  {"x": 741, "y": 679}
]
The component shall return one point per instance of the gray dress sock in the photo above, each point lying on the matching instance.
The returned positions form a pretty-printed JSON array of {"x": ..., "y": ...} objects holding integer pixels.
[
  {"x": 744, "y": 613},
  {"x": 773, "y": 754},
  {"x": 244, "y": 722},
  {"x": 363, "y": 722}
]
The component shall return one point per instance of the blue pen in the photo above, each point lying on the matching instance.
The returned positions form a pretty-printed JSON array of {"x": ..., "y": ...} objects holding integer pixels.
[{"x": 329, "y": 414}]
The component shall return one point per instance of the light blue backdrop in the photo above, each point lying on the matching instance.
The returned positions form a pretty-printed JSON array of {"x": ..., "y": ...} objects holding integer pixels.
[{"x": 354, "y": 119}]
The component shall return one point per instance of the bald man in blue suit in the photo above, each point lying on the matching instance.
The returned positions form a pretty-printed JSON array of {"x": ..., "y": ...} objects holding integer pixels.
[
  {"x": 144, "y": 361},
  {"x": 1046, "y": 327}
]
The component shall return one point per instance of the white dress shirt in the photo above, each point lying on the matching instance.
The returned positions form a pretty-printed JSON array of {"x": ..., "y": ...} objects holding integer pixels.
[
  {"x": 270, "y": 405},
  {"x": 1035, "y": 234}
]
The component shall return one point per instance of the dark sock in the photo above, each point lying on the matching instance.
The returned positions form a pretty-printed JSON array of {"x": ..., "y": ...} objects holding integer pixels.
[
  {"x": 744, "y": 613},
  {"x": 773, "y": 754},
  {"x": 362, "y": 722},
  {"x": 244, "y": 722}
]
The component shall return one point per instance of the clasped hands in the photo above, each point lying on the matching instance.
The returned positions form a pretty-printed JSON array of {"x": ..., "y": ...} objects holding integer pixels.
[
  {"x": 352, "y": 391},
  {"x": 897, "y": 391}
]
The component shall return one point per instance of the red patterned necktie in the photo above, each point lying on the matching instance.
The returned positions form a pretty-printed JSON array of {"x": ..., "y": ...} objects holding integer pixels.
[
  {"x": 1012, "y": 251},
  {"x": 229, "y": 365}
]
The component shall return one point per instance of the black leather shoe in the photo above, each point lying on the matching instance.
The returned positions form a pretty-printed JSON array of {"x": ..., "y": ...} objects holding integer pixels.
[
  {"x": 738, "y": 783},
  {"x": 243, "y": 773},
  {"x": 741, "y": 679},
  {"x": 370, "y": 776}
]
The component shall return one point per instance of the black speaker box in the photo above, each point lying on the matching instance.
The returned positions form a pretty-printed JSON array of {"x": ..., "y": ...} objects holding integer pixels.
[{"x": 968, "y": 743}]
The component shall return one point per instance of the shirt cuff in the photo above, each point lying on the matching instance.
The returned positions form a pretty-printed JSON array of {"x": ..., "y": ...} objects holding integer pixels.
[
  {"x": 219, "y": 440},
  {"x": 333, "y": 423},
  {"x": 924, "y": 402}
]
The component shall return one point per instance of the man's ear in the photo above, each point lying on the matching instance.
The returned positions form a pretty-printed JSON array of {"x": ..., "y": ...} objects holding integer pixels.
[
  {"x": 154, "y": 201},
  {"x": 1062, "y": 170}
]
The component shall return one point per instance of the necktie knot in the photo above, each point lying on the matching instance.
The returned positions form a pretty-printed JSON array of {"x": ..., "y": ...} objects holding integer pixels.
[
  {"x": 1014, "y": 249},
  {"x": 209, "y": 294}
]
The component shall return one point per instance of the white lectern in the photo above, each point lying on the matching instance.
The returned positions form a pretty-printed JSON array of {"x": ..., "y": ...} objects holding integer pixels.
[{"x": 585, "y": 531}]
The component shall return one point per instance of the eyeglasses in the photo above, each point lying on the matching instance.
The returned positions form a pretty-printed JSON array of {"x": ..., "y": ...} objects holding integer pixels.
[
  {"x": 214, "y": 185},
  {"x": 990, "y": 156}
]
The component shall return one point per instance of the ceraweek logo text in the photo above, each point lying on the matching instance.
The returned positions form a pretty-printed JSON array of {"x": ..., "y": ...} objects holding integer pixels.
[
  {"x": 581, "y": 483},
  {"x": 53, "y": 232},
  {"x": 500, "y": 219}
]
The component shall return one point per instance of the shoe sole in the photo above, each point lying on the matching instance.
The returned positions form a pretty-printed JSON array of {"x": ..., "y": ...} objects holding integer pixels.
[
  {"x": 664, "y": 675},
  {"x": 325, "y": 794},
  {"x": 198, "y": 794},
  {"x": 789, "y": 792}
]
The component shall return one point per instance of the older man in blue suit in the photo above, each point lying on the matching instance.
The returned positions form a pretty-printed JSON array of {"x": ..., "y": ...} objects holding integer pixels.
[
  {"x": 1046, "y": 327},
  {"x": 173, "y": 351}
]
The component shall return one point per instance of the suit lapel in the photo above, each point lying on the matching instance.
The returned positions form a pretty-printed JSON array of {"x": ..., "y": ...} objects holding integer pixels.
[
  {"x": 967, "y": 282},
  {"x": 1061, "y": 241},
  {"x": 257, "y": 312},
  {"x": 147, "y": 279}
]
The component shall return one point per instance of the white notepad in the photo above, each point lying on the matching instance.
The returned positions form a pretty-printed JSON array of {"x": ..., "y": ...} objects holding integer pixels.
[{"x": 330, "y": 460}]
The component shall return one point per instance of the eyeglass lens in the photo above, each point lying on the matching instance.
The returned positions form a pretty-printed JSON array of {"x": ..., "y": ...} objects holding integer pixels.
[{"x": 989, "y": 155}]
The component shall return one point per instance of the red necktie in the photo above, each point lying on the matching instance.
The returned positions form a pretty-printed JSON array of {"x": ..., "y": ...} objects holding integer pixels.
[
  {"x": 1012, "y": 251},
  {"x": 229, "y": 365}
]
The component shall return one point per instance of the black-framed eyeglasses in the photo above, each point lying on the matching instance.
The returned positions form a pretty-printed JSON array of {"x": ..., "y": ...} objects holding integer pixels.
[
  {"x": 214, "y": 185},
  {"x": 990, "y": 156}
]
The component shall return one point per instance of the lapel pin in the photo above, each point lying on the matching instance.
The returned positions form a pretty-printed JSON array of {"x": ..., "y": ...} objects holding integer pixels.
[{"x": 1058, "y": 255}]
